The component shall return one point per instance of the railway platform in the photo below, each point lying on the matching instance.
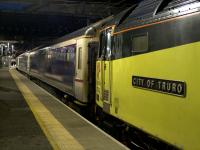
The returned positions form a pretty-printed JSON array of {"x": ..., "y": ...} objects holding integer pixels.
[{"x": 31, "y": 118}]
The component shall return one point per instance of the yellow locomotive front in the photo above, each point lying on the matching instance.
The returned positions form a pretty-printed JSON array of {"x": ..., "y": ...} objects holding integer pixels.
[
  {"x": 104, "y": 70},
  {"x": 147, "y": 73}
]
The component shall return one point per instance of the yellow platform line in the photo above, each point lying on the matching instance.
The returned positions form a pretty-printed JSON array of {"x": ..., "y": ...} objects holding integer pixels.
[{"x": 57, "y": 135}]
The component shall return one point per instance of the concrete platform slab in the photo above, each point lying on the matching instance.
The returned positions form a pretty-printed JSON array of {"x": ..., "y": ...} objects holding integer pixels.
[
  {"x": 18, "y": 128},
  {"x": 31, "y": 118}
]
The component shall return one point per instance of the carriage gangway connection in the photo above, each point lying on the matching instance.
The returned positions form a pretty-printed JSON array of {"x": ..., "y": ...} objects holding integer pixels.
[{"x": 31, "y": 118}]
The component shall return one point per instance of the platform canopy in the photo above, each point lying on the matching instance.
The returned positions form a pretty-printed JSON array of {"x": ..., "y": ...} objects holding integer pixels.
[{"x": 39, "y": 21}]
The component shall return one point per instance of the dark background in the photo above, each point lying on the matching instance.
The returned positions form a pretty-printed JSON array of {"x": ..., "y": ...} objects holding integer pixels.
[{"x": 29, "y": 23}]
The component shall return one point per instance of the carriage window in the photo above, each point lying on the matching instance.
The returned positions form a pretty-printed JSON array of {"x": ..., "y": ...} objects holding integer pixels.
[
  {"x": 67, "y": 56},
  {"x": 79, "y": 57},
  {"x": 140, "y": 43}
]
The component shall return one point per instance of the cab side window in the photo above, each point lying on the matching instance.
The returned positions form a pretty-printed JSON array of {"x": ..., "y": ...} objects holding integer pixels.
[
  {"x": 102, "y": 46},
  {"x": 108, "y": 46},
  {"x": 105, "y": 44},
  {"x": 117, "y": 46},
  {"x": 140, "y": 43}
]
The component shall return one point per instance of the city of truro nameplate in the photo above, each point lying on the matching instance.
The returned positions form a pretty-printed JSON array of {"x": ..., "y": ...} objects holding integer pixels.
[{"x": 177, "y": 88}]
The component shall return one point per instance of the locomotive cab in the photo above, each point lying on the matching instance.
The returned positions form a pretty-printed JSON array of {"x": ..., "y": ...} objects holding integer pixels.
[{"x": 103, "y": 70}]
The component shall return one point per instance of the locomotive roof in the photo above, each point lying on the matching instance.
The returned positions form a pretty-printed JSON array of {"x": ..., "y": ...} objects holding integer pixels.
[
  {"x": 87, "y": 31},
  {"x": 148, "y": 11},
  {"x": 117, "y": 19}
]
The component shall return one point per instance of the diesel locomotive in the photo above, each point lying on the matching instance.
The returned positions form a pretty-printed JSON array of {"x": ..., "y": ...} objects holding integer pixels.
[{"x": 144, "y": 76}]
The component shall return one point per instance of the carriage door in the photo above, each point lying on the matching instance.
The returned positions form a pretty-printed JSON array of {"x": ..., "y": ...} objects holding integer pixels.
[
  {"x": 106, "y": 69},
  {"x": 92, "y": 56},
  {"x": 78, "y": 84}
]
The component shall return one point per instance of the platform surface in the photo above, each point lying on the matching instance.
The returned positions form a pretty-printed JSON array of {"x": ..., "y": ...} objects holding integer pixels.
[
  {"x": 18, "y": 127},
  {"x": 42, "y": 120}
]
